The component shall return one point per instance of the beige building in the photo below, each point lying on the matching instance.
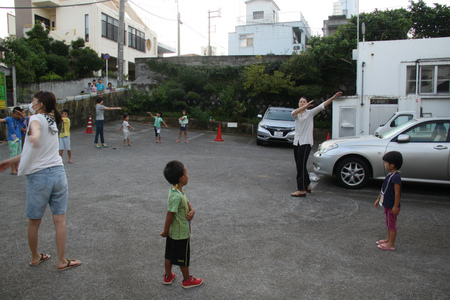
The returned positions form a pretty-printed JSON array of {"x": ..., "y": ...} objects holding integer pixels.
[{"x": 97, "y": 24}]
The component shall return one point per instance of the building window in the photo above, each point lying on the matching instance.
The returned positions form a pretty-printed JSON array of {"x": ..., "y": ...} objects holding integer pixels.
[
  {"x": 432, "y": 79},
  {"x": 86, "y": 28},
  {"x": 110, "y": 27},
  {"x": 443, "y": 79},
  {"x": 246, "y": 40},
  {"x": 258, "y": 15},
  {"x": 411, "y": 80},
  {"x": 136, "y": 39}
]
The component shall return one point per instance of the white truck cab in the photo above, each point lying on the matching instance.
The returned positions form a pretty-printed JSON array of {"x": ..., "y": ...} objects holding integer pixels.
[{"x": 397, "y": 119}]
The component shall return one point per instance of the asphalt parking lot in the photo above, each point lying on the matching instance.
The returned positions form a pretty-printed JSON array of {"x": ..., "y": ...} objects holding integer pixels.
[{"x": 250, "y": 239}]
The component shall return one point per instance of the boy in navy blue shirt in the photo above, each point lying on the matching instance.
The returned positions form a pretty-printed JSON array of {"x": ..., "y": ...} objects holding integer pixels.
[{"x": 389, "y": 197}]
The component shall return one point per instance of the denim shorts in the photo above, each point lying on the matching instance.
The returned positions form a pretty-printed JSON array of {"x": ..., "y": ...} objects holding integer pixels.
[{"x": 47, "y": 186}]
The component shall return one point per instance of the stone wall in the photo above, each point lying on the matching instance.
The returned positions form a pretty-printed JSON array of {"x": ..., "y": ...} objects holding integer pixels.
[
  {"x": 81, "y": 107},
  {"x": 144, "y": 76}
]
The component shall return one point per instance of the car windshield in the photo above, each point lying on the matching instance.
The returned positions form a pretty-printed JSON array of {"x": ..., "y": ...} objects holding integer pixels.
[
  {"x": 281, "y": 115},
  {"x": 395, "y": 130}
]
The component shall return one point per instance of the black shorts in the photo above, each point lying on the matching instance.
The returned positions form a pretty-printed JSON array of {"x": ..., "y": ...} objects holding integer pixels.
[
  {"x": 156, "y": 131},
  {"x": 183, "y": 128},
  {"x": 178, "y": 252}
]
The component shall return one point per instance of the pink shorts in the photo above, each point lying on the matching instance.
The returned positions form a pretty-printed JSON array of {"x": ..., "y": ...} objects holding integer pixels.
[{"x": 391, "y": 219}]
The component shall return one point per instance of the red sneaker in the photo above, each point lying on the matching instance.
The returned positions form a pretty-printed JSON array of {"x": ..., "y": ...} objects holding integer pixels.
[
  {"x": 170, "y": 279},
  {"x": 192, "y": 282}
]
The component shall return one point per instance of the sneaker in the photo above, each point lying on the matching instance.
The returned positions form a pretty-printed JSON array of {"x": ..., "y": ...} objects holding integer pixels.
[
  {"x": 192, "y": 282},
  {"x": 105, "y": 146},
  {"x": 170, "y": 279},
  {"x": 98, "y": 146}
]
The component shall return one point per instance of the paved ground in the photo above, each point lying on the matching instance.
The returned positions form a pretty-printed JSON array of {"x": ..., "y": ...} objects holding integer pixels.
[{"x": 251, "y": 239}]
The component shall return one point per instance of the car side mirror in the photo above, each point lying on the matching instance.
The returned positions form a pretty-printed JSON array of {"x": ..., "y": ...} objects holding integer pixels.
[
  {"x": 259, "y": 116},
  {"x": 403, "y": 138}
]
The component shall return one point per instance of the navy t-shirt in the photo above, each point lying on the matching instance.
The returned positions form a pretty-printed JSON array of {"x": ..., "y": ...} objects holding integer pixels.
[{"x": 389, "y": 191}]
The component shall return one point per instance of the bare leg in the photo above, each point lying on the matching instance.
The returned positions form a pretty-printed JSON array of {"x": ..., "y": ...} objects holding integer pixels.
[
  {"x": 69, "y": 152},
  {"x": 60, "y": 227},
  {"x": 391, "y": 240},
  {"x": 168, "y": 267},
  {"x": 185, "y": 272},
  {"x": 33, "y": 230},
  {"x": 179, "y": 137},
  {"x": 61, "y": 153},
  {"x": 185, "y": 136}
]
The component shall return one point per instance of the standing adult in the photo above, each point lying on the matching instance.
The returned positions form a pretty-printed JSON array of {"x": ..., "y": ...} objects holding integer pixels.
[
  {"x": 46, "y": 177},
  {"x": 303, "y": 140}
]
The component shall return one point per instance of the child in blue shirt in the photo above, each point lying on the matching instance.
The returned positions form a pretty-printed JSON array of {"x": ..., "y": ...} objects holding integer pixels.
[
  {"x": 389, "y": 197},
  {"x": 15, "y": 125}
]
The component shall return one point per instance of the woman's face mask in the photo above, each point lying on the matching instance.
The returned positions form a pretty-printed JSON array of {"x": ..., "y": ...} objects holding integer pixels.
[{"x": 31, "y": 109}]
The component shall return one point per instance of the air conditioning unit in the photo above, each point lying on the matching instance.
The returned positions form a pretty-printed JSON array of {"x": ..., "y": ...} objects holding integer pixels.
[{"x": 297, "y": 47}]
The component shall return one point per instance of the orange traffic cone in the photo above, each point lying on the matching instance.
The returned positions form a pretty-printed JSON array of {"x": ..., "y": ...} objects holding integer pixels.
[
  {"x": 219, "y": 134},
  {"x": 328, "y": 136},
  {"x": 89, "y": 126}
]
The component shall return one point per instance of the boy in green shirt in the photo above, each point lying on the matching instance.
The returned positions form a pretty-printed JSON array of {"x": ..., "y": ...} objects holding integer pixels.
[
  {"x": 177, "y": 228},
  {"x": 158, "y": 121}
]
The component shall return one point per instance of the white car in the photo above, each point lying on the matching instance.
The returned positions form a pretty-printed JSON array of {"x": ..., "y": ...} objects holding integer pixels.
[
  {"x": 397, "y": 119},
  {"x": 424, "y": 144},
  {"x": 277, "y": 126}
]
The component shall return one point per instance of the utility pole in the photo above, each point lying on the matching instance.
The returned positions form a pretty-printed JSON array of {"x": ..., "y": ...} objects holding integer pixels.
[
  {"x": 179, "y": 23},
  {"x": 120, "y": 43},
  {"x": 209, "y": 28}
]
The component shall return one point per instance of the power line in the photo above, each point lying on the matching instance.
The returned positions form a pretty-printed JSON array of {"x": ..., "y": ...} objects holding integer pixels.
[
  {"x": 54, "y": 6},
  {"x": 152, "y": 13}
]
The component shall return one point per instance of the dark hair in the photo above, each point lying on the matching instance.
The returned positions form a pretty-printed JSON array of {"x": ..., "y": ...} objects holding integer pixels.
[
  {"x": 173, "y": 171},
  {"x": 18, "y": 108},
  {"x": 49, "y": 101},
  {"x": 66, "y": 111},
  {"x": 303, "y": 98},
  {"x": 125, "y": 115},
  {"x": 160, "y": 113},
  {"x": 99, "y": 99},
  {"x": 395, "y": 158}
]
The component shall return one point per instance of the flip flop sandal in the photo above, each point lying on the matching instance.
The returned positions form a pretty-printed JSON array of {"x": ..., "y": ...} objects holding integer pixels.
[
  {"x": 69, "y": 266},
  {"x": 48, "y": 256}
]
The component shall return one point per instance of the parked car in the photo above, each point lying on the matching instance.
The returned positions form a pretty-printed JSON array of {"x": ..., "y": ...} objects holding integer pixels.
[
  {"x": 277, "y": 125},
  {"x": 424, "y": 144},
  {"x": 397, "y": 119}
]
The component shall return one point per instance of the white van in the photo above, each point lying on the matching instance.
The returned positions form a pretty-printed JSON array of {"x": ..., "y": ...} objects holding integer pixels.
[{"x": 397, "y": 119}]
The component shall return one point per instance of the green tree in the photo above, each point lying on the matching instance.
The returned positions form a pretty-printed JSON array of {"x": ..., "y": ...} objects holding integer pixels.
[
  {"x": 429, "y": 22},
  {"x": 84, "y": 60}
]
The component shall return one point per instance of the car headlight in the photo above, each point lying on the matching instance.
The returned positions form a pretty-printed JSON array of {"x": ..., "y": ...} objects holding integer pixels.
[{"x": 326, "y": 148}]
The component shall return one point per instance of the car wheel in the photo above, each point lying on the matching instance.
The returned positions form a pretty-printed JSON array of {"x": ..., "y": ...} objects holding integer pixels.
[
  {"x": 352, "y": 173},
  {"x": 258, "y": 142}
]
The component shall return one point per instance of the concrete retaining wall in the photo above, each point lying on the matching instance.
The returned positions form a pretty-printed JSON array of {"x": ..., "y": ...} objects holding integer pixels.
[{"x": 83, "y": 106}]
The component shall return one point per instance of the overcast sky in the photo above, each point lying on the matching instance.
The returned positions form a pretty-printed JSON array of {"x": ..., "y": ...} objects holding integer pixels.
[{"x": 160, "y": 16}]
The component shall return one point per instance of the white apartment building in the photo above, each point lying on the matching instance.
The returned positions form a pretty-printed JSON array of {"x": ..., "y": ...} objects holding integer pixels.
[
  {"x": 263, "y": 33},
  {"x": 96, "y": 23}
]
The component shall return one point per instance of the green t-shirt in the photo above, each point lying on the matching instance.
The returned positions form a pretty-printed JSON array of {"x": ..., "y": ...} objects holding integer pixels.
[
  {"x": 158, "y": 122},
  {"x": 178, "y": 204}
]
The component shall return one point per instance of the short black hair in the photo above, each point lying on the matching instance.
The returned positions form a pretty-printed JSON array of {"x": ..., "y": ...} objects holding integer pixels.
[
  {"x": 66, "y": 111},
  {"x": 173, "y": 171},
  {"x": 125, "y": 115},
  {"x": 160, "y": 113},
  {"x": 99, "y": 99},
  {"x": 395, "y": 158},
  {"x": 18, "y": 108}
]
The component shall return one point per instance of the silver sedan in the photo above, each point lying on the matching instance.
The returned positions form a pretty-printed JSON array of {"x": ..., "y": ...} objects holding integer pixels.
[{"x": 424, "y": 144}]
